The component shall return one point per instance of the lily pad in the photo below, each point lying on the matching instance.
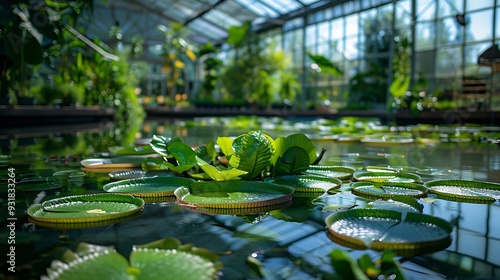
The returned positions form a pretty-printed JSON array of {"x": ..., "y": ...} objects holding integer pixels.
[
  {"x": 387, "y": 140},
  {"x": 388, "y": 189},
  {"x": 465, "y": 190},
  {"x": 398, "y": 203},
  {"x": 86, "y": 208},
  {"x": 233, "y": 194},
  {"x": 126, "y": 174},
  {"x": 68, "y": 226},
  {"x": 406, "y": 234},
  {"x": 154, "y": 260},
  {"x": 243, "y": 211},
  {"x": 340, "y": 172},
  {"x": 377, "y": 177},
  {"x": 148, "y": 186},
  {"x": 116, "y": 162},
  {"x": 308, "y": 183},
  {"x": 32, "y": 185}
]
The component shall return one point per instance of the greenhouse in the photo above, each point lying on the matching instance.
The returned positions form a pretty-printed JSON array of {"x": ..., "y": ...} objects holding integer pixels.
[{"x": 250, "y": 139}]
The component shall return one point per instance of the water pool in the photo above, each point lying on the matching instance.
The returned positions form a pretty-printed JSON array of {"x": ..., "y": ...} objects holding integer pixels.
[{"x": 289, "y": 244}]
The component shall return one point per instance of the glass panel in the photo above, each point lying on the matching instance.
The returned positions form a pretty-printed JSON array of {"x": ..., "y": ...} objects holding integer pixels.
[
  {"x": 258, "y": 8},
  {"x": 425, "y": 61},
  {"x": 323, "y": 32},
  {"x": 472, "y": 52},
  {"x": 480, "y": 26},
  {"x": 208, "y": 30},
  {"x": 351, "y": 48},
  {"x": 220, "y": 19},
  {"x": 497, "y": 24},
  {"x": 311, "y": 35},
  {"x": 449, "y": 31},
  {"x": 403, "y": 13},
  {"x": 324, "y": 50},
  {"x": 351, "y": 7},
  {"x": 450, "y": 7},
  {"x": 425, "y": 9},
  {"x": 449, "y": 62},
  {"x": 478, "y": 4},
  {"x": 352, "y": 26},
  {"x": 307, "y": 2},
  {"x": 338, "y": 28},
  {"x": 424, "y": 37},
  {"x": 337, "y": 51},
  {"x": 284, "y": 6}
]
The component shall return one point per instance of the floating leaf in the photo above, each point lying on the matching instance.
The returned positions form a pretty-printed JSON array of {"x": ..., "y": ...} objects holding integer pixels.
[
  {"x": 233, "y": 194},
  {"x": 378, "y": 177},
  {"x": 465, "y": 190},
  {"x": 308, "y": 183},
  {"x": 388, "y": 189},
  {"x": 148, "y": 186},
  {"x": 85, "y": 208},
  {"x": 340, "y": 172},
  {"x": 409, "y": 234}
]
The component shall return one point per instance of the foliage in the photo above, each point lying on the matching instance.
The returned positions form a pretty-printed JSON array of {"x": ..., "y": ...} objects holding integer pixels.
[
  {"x": 369, "y": 85},
  {"x": 29, "y": 30},
  {"x": 177, "y": 52},
  {"x": 387, "y": 267},
  {"x": 257, "y": 73},
  {"x": 211, "y": 66},
  {"x": 249, "y": 156},
  {"x": 179, "y": 261}
]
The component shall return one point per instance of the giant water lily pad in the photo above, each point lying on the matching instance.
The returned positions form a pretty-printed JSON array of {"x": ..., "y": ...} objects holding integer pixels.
[
  {"x": 160, "y": 259},
  {"x": 404, "y": 233},
  {"x": 308, "y": 183},
  {"x": 113, "y": 163},
  {"x": 86, "y": 208},
  {"x": 340, "y": 172},
  {"x": 465, "y": 190},
  {"x": 233, "y": 194},
  {"x": 387, "y": 139},
  {"x": 31, "y": 185},
  {"x": 377, "y": 177},
  {"x": 388, "y": 189},
  {"x": 148, "y": 186}
]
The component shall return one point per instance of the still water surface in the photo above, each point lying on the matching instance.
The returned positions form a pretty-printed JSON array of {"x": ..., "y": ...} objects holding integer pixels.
[{"x": 290, "y": 244}]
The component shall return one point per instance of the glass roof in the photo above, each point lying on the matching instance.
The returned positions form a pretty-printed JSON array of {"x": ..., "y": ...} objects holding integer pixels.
[{"x": 207, "y": 20}]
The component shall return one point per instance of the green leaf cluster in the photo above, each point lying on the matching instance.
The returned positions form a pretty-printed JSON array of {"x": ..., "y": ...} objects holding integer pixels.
[
  {"x": 149, "y": 261},
  {"x": 250, "y": 156},
  {"x": 387, "y": 267}
]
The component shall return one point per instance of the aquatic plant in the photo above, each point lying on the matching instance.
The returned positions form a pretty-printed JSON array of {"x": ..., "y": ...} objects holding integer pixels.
[
  {"x": 153, "y": 260},
  {"x": 249, "y": 156}
]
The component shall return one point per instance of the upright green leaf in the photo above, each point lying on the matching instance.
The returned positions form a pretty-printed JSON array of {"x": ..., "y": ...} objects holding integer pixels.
[
  {"x": 295, "y": 160},
  {"x": 160, "y": 143},
  {"x": 225, "y": 145},
  {"x": 345, "y": 267},
  {"x": 300, "y": 140},
  {"x": 253, "y": 151},
  {"x": 220, "y": 175},
  {"x": 183, "y": 153}
]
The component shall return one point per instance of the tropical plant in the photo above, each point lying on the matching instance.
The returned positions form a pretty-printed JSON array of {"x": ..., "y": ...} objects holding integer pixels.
[
  {"x": 30, "y": 31},
  {"x": 212, "y": 65},
  {"x": 249, "y": 156},
  {"x": 257, "y": 73},
  {"x": 177, "y": 52},
  {"x": 153, "y": 260},
  {"x": 387, "y": 267}
]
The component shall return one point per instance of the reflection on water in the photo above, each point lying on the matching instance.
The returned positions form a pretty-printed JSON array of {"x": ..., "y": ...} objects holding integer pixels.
[{"x": 291, "y": 243}]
